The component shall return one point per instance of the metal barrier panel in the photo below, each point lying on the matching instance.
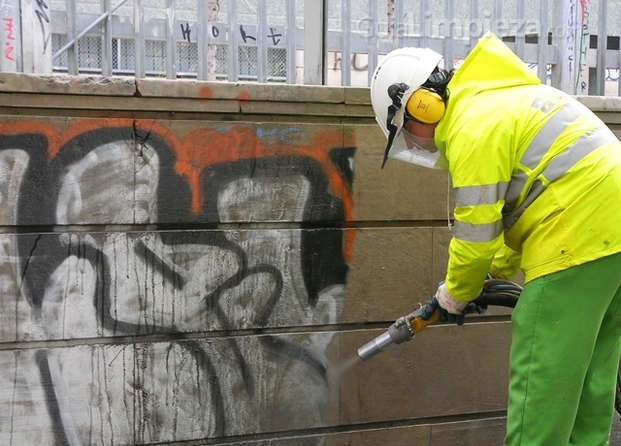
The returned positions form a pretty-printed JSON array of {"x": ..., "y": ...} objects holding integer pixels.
[{"x": 266, "y": 40}]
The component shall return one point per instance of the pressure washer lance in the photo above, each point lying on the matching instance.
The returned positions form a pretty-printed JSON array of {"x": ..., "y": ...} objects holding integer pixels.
[{"x": 495, "y": 292}]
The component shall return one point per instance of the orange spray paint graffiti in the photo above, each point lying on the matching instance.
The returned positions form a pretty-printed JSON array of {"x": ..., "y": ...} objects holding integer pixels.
[{"x": 193, "y": 155}]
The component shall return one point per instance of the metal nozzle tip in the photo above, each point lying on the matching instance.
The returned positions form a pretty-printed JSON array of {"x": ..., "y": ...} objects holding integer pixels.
[{"x": 375, "y": 347}]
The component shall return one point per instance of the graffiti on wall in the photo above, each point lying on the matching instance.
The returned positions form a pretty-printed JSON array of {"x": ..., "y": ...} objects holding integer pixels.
[
  {"x": 154, "y": 264},
  {"x": 9, "y": 12}
]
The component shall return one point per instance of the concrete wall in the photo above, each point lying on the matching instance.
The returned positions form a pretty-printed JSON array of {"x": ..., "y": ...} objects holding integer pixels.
[{"x": 185, "y": 261}]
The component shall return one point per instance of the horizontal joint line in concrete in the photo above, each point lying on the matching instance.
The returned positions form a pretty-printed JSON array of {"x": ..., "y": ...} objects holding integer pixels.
[
  {"x": 220, "y": 334},
  {"x": 351, "y": 428},
  {"x": 140, "y": 228},
  {"x": 178, "y": 336}
]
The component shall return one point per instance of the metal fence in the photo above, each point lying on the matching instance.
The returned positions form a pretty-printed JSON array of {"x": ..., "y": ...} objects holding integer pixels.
[{"x": 336, "y": 42}]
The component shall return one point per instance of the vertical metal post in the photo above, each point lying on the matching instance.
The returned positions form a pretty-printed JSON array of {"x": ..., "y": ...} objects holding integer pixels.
[
  {"x": 11, "y": 36},
  {"x": 106, "y": 42},
  {"x": 372, "y": 40},
  {"x": 291, "y": 42},
  {"x": 497, "y": 16},
  {"x": 424, "y": 16},
  {"x": 171, "y": 40},
  {"x": 399, "y": 24},
  {"x": 262, "y": 42},
  {"x": 346, "y": 42},
  {"x": 72, "y": 33},
  {"x": 314, "y": 42},
  {"x": 619, "y": 65},
  {"x": 449, "y": 35},
  {"x": 602, "y": 38},
  {"x": 566, "y": 37},
  {"x": 474, "y": 20},
  {"x": 139, "y": 40},
  {"x": 37, "y": 44},
  {"x": 520, "y": 35},
  {"x": 202, "y": 40},
  {"x": 233, "y": 54},
  {"x": 542, "y": 47},
  {"x": 584, "y": 39}
]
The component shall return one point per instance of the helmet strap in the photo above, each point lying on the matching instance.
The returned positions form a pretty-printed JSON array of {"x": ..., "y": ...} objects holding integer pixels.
[{"x": 395, "y": 92}]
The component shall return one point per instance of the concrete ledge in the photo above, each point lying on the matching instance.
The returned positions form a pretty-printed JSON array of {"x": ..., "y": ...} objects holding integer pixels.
[
  {"x": 58, "y": 84},
  {"x": 601, "y": 103},
  {"x": 180, "y": 88},
  {"x": 203, "y": 90},
  {"x": 168, "y": 95},
  {"x": 244, "y": 97},
  {"x": 247, "y": 92}
]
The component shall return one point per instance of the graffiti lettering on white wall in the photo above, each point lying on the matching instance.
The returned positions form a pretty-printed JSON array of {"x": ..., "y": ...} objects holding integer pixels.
[
  {"x": 247, "y": 33},
  {"x": 166, "y": 311},
  {"x": 42, "y": 13},
  {"x": 10, "y": 38},
  {"x": 9, "y": 12}
]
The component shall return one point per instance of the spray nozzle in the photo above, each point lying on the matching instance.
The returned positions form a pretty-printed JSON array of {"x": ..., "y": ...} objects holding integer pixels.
[
  {"x": 402, "y": 330},
  {"x": 495, "y": 292}
]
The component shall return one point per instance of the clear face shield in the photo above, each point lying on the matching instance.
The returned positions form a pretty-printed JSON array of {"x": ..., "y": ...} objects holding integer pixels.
[
  {"x": 405, "y": 146},
  {"x": 402, "y": 143},
  {"x": 416, "y": 150}
]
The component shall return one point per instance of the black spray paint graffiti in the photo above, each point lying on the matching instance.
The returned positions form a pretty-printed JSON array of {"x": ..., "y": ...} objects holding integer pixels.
[
  {"x": 44, "y": 22},
  {"x": 274, "y": 34},
  {"x": 144, "y": 283},
  {"x": 186, "y": 32}
]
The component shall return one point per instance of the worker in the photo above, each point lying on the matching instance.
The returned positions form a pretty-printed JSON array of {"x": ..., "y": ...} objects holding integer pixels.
[{"x": 537, "y": 186}]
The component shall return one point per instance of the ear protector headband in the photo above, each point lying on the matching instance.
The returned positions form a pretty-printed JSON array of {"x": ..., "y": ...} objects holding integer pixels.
[{"x": 426, "y": 106}]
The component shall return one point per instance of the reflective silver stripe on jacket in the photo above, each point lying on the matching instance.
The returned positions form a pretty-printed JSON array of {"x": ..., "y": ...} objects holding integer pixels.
[
  {"x": 469, "y": 232},
  {"x": 577, "y": 151},
  {"x": 559, "y": 165},
  {"x": 478, "y": 195},
  {"x": 539, "y": 146},
  {"x": 549, "y": 133},
  {"x": 536, "y": 150}
]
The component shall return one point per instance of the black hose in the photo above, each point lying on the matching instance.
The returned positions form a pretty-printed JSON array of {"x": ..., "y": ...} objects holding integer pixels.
[{"x": 502, "y": 293}]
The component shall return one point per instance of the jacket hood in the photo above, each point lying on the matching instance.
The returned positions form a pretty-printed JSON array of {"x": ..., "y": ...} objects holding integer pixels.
[{"x": 490, "y": 65}]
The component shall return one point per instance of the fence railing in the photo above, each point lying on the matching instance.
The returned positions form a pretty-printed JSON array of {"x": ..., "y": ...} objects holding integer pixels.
[{"x": 566, "y": 42}]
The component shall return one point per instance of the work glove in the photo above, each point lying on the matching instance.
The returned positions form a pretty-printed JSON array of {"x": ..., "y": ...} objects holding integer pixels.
[{"x": 451, "y": 310}]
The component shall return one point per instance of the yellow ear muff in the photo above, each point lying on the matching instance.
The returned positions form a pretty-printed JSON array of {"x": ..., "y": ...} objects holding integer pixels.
[{"x": 425, "y": 106}]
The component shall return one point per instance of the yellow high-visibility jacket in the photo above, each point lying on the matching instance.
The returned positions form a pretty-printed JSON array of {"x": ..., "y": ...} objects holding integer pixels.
[{"x": 536, "y": 175}]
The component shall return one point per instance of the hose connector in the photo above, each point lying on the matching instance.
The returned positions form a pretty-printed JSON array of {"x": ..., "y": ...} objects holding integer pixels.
[{"x": 397, "y": 333}]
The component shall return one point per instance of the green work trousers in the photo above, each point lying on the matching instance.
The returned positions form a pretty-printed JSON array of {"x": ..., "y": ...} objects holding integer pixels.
[{"x": 565, "y": 357}]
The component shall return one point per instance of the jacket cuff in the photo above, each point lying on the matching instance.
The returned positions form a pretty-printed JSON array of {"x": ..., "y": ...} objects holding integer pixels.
[{"x": 448, "y": 302}]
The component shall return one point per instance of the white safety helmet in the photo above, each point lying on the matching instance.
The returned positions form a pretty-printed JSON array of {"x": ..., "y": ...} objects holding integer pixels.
[{"x": 397, "y": 77}]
